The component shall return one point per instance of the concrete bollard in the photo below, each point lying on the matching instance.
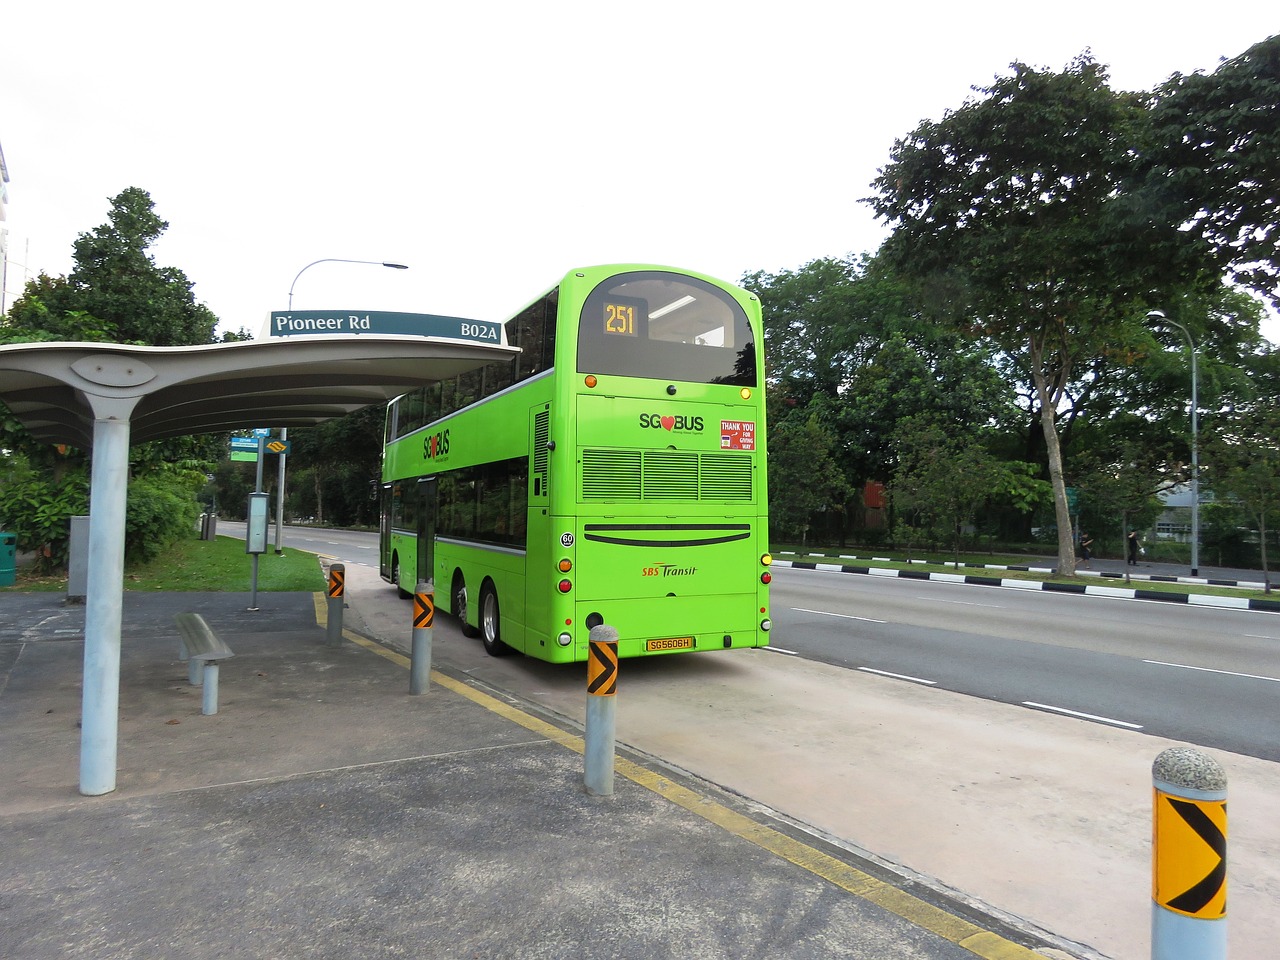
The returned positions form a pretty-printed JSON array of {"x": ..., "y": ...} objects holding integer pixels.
[
  {"x": 602, "y": 706},
  {"x": 337, "y": 587},
  {"x": 1188, "y": 857},
  {"x": 209, "y": 695},
  {"x": 424, "y": 612}
]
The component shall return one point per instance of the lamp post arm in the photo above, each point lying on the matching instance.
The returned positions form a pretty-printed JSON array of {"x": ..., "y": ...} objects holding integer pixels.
[{"x": 372, "y": 263}]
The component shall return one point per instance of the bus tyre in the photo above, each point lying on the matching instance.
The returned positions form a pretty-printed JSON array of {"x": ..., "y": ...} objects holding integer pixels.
[
  {"x": 401, "y": 592},
  {"x": 460, "y": 608},
  {"x": 490, "y": 623}
]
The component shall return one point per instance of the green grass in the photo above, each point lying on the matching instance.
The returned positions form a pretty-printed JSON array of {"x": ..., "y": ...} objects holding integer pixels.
[{"x": 219, "y": 565}]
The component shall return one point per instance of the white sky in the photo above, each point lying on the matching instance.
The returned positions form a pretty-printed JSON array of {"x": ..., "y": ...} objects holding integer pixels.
[{"x": 494, "y": 146}]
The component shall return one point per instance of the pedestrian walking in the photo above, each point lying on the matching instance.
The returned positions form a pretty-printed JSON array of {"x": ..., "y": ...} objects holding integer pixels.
[
  {"x": 1134, "y": 547},
  {"x": 1086, "y": 548}
]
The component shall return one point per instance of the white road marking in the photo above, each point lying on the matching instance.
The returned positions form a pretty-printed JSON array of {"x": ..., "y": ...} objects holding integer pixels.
[
  {"x": 898, "y": 676},
  {"x": 963, "y": 603},
  {"x": 1086, "y": 716},
  {"x": 1227, "y": 673},
  {"x": 842, "y": 616}
]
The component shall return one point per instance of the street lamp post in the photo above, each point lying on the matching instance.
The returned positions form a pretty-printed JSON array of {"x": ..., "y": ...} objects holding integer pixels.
[
  {"x": 372, "y": 263},
  {"x": 284, "y": 431},
  {"x": 1158, "y": 315}
]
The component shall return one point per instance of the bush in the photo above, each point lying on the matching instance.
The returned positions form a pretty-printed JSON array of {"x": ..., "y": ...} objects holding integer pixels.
[
  {"x": 38, "y": 509},
  {"x": 162, "y": 509}
]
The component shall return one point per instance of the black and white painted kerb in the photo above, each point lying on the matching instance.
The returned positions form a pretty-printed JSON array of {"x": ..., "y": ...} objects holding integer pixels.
[{"x": 1202, "y": 600}]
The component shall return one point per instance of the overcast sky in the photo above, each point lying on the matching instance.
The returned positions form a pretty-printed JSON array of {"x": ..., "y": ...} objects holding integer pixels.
[{"x": 494, "y": 146}]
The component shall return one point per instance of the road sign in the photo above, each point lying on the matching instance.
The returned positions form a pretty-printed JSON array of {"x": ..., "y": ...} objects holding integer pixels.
[
  {"x": 244, "y": 445},
  {"x": 327, "y": 323},
  {"x": 279, "y": 446}
]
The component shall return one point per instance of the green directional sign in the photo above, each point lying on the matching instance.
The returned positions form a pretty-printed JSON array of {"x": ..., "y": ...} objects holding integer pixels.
[
  {"x": 1073, "y": 499},
  {"x": 328, "y": 323}
]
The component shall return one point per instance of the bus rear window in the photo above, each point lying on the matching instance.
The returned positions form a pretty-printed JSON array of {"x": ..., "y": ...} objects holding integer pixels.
[{"x": 662, "y": 326}]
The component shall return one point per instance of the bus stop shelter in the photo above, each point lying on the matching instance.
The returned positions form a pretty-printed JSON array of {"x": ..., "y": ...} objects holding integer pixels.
[{"x": 102, "y": 397}]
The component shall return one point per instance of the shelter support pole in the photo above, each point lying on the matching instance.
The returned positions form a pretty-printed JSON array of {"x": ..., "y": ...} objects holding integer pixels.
[{"x": 104, "y": 606}]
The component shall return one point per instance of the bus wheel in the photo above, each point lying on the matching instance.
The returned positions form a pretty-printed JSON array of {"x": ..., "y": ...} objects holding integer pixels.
[
  {"x": 460, "y": 607},
  {"x": 490, "y": 623},
  {"x": 401, "y": 592}
]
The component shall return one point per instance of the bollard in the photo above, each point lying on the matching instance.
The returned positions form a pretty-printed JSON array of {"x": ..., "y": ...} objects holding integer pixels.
[
  {"x": 602, "y": 705},
  {"x": 424, "y": 612},
  {"x": 1188, "y": 857},
  {"x": 209, "y": 696},
  {"x": 337, "y": 581}
]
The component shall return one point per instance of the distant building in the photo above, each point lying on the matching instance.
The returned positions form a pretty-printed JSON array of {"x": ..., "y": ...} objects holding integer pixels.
[{"x": 1174, "y": 522}]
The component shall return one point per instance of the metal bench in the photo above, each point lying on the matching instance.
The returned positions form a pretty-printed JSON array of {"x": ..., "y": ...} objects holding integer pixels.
[{"x": 203, "y": 650}]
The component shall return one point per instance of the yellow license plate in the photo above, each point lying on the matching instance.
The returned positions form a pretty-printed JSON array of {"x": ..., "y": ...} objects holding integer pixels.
[{"x": 670, "y": 643}]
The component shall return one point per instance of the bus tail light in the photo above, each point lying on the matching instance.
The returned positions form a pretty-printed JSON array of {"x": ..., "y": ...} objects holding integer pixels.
[
  {"x": 766, "y": 577},
  {"x": 766, "y": 560},
  {"x": 564, "y": 639},
  {"x": 565, "y": 586},
  {"x": 566, "y": 565},
  {"x": 766, "y": 625}
]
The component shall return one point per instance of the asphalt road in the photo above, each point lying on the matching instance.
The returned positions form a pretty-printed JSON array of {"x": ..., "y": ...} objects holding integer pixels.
[{"x": 1204, "y": 676}]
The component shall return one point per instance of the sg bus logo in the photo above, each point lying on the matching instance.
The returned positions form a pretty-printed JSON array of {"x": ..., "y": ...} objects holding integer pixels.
[
  {"x": 680, "y": 424},
  {"x": 435, "y": 445}
]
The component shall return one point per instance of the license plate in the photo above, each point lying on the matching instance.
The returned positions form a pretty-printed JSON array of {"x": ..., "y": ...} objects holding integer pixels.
[{"x": 670, "y": 643}]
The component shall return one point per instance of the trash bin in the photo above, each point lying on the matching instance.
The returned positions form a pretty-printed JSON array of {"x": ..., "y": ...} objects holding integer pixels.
[{"x": 8, "y": 559}]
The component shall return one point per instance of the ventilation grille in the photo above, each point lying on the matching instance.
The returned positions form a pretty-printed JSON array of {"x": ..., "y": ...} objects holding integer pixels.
[
  {"x": 666, "y": 475},
  {"x": 541, "y": 434}
]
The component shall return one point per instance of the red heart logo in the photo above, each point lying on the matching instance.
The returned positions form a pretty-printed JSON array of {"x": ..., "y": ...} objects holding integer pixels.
[{"x": 668, "y": 423}]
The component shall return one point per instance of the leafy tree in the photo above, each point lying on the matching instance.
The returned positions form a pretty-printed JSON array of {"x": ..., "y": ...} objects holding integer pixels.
[
  {"x": 1010, "y": 213},
  {"x": 1243, "y": 463},
  {"x": 1213, "y": 162},
  {"x": 114, "y": 293},
  {"x": 116, "y": 282},
  {"x": 943, "y": 477},
  {"x": 803, "y": 479}
]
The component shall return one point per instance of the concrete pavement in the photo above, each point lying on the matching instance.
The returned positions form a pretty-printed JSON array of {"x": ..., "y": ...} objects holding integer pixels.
[
  {"x": 325, "y": 812},
  {"x": 1038, "y": 818}
]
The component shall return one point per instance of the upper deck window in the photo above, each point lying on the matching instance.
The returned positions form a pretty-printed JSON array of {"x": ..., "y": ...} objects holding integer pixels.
[{"x": 668, "y": 327}]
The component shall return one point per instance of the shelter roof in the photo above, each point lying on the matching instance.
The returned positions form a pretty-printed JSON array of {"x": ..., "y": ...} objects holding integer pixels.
[{"x": 58, "y": 390}]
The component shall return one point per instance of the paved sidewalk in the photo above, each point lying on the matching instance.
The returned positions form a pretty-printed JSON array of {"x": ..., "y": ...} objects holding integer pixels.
[{"x": 325, "y": 812}]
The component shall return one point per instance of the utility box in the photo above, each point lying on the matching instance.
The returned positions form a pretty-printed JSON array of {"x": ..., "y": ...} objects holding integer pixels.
[
  {"x": 8, "y": 559},
  {"x": 78, "y": 561}
]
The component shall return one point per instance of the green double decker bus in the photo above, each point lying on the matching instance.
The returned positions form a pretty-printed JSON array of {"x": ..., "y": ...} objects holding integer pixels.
[{"x": 612, "y": 472}]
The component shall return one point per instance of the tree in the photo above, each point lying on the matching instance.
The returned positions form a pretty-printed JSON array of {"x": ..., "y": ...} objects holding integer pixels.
[
  {"x": 115, "y": 292},
  {"x": 116, "y": 281},
  {"x": 1242, "y": 461},
  {"x": 803, "y": 479},
  {"x": 943, "y": 477},
  {"x": 1213, "y": 164},
  {"x": 1010, "y": 213}
]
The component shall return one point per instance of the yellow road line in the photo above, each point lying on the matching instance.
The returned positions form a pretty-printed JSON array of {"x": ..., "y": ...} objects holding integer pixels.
[{"x": 962, "y": 933}]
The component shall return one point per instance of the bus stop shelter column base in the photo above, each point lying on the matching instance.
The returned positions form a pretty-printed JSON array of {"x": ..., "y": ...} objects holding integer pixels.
[{"x": 104, "y": 605}]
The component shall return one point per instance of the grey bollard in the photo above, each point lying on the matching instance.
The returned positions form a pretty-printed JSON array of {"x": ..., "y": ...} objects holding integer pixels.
[
  {"x": 1188, "y": 857},
  {"x": 337, "y": 590},
  {"x": 424, "y": 612},
  {"x": 209, "y": 696},
  {"x": 602, "y": 706}
]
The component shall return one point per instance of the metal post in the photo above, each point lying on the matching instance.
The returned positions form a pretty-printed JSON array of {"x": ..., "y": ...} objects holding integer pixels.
[
  {"x": 284, "y": 436},
  {"x": 337, "y": 586},
  {"x": 424, "y": 611},
  {"x": 100, "y": 701},
  {"x": 602, "y": 706},
  {"x": 1188, "y": 857},
  {"x": 1195, "y": 466},
  {"x": 209, "y": 697}
]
